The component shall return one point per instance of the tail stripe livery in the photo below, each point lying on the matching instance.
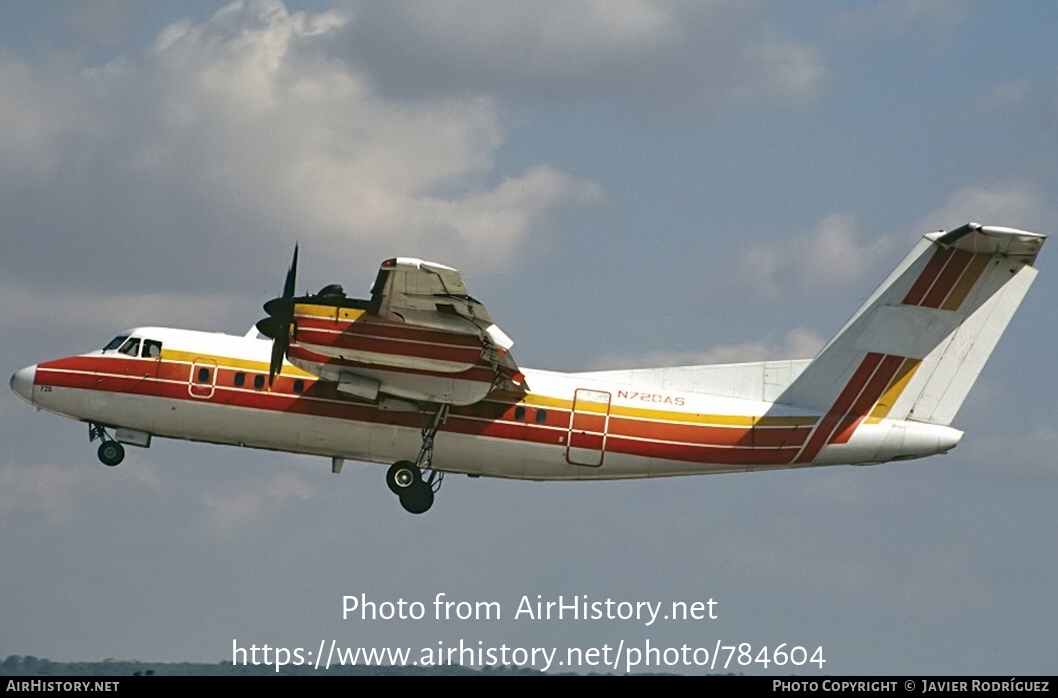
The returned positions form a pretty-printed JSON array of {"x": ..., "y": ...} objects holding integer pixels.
[
  {"x": 914, "y": 349},
  {"x": 947, "y": 279},
  {"x": 973, "y": 272},
  {"x": 892, "y": 392},
  {"x": 841, "y": 407},
  {"x": 881, "y": 379}
]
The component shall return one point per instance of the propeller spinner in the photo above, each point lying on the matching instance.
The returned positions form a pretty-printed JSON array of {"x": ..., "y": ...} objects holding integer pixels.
[{"x": 277, "y": 326}]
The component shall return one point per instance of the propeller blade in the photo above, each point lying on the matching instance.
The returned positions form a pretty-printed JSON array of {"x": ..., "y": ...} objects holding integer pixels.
[
  {"x": 269, "y": 327},
  {"x": 279, "y": 349},
  {"x": 288, "y": 287},
  {"x": 280, "y": 318}
]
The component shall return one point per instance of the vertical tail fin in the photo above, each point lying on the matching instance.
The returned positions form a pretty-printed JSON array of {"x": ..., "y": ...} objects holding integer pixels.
[{"x": 917, "y": 345}]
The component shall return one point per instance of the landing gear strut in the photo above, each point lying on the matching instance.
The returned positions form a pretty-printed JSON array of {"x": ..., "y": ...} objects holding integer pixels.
[
  {"x": 414, "y": 482},
  {"x": 110, "y": 451}
]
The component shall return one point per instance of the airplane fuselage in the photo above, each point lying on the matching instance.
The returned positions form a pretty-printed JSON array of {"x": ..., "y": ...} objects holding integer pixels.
[
  {"x": 213, "y": 388},
  {"x": 420, "y": 377}
]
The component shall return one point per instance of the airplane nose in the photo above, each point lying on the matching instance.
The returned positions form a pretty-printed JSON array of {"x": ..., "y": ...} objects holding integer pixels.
[{"x": 22, "y": 382}]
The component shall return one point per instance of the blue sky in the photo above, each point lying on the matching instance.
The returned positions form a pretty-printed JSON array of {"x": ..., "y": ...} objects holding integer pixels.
[{"x": 634, "y": 183}]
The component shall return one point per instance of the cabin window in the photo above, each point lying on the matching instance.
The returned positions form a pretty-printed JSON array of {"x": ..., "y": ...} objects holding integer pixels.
[
  {"x": 131, "y": 347},
  {"x": 519, "y": 413},
  {"x": 152, "y": 349},
  {"x": 299, "y": 386},
  {"x": 116, "y": 342},
  {"x": 541, "y": 416},
  {"x": 240, "y": 379},
  {"x": 258, "y": 381},
  {"x": 203, "y": 375}
]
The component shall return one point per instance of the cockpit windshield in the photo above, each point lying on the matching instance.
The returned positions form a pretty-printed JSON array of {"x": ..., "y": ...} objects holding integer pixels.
[
  {"x": 116, "y": 342},
  {"x": 131, "y": 347}
]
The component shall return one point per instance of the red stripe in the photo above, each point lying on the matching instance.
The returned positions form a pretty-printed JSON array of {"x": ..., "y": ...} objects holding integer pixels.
[
  {"x": 695, "y": 453},
  {"x": 764, "y": 437},
  {"x": 460, "y": 355},
  {"x": 927, "y": 277},
  {"x": 868, "y": 398},
  {"x": 579, "y": 439},
  {"x": 946, "y": 281},
  {"x": 386, "y": 331},
  {"x": 845, "y": 400},
  {"x": 482, "y": 372}
]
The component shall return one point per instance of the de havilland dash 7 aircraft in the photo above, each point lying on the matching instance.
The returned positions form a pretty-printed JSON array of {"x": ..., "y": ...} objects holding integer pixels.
[{"x": 419, "y": 377}]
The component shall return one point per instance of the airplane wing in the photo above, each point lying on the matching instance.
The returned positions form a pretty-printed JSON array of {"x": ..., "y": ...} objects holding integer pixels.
[
  {"x": 421, "y": 337},
  {"x": 431, "y": 295}
]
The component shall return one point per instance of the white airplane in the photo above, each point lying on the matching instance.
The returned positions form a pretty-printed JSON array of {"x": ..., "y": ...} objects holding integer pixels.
[{"x": 419, "y": 377}]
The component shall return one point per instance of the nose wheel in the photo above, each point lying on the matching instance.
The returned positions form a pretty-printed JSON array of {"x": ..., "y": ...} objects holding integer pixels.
[
  {"x": 110, "y": 451},
  {"x": 405, "y": 478}
]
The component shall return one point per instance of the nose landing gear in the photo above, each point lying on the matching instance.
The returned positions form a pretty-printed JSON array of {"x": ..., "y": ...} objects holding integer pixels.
[{"x": 110, "y": 451}]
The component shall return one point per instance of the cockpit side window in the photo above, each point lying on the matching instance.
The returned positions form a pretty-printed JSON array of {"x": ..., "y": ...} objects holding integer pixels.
[
  {"x": 131, "y": 347},
  {"x": 116, "y": 342},
  {"x": 152, "y": 349}
]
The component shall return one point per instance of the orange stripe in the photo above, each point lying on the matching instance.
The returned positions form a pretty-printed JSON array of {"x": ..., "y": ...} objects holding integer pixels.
[
  {"x": 966, "y": 282},
  {"x": 346, "y": 342},
  {"x": 929, "y": 274},
  {"x": 481, "y": 372},
  {"x": 895, "y": 389},
  {"x": 845, "y": 400},
  {"x": 867, "y": 399},
  {"x": 946, "y": 281},
  {"x": 706, "y": 434},
  {"x": 388, "y": 330}
]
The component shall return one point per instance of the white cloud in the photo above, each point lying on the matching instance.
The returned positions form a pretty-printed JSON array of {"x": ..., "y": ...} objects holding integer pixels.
[
  {"x": 39, "y": 110},
  {"x": 246, "y": 129},
  {"x": 1025, "y": 453},
  {"x": 24, "y": 306},
  {"x": 54, "y": 491},
  {"x": 635, "y": 50},
  {"x": 233, "y": 509},
  {"x": 50, "y": 490},
  {"x": 1006, "y": 95},
  {"x": 831, "y": 255},
  {"x": 1012, "y": 204}
]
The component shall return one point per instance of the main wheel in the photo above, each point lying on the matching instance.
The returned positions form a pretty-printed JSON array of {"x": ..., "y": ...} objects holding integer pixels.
[
  {"x": 417, "y": 499},
  {"x": 111, "y": 453},
  {"x": 402, "y": 475}
]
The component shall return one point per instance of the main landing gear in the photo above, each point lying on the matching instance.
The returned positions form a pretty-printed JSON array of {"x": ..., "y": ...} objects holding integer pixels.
[
  {"x": 414, "y": 482},
  {"x": 110, "y": 451}
]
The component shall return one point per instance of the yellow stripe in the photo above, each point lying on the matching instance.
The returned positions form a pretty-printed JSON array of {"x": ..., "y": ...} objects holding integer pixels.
[
  {"x": 328, "y": 311},
  {"x": 892, "y": 393},
  {"x": 228, "y": 362},
  {"x": 969, "y": 277}
]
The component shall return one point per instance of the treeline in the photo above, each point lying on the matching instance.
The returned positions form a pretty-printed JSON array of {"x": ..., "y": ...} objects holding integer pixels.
[{"x": 15, "y": 665}]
